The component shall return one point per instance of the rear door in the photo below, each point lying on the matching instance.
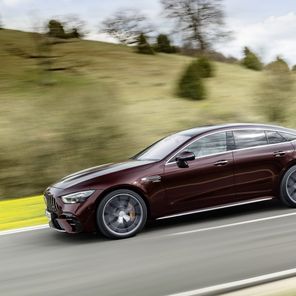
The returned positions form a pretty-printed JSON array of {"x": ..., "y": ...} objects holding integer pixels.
[{"x": 259, "y": 159}]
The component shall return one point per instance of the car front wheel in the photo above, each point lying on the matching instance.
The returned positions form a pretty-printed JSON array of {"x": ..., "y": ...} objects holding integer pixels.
[{"x": 121, "y": 214}]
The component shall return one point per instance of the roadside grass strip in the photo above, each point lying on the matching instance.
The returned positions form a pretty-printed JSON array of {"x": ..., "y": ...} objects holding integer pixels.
[{"x": 22, "y": 212}]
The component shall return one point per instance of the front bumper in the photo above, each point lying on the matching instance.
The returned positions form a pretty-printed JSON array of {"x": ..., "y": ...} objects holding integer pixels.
[
  {"x": 64, "y": 223},
  {"x": 70, "y": 218}
]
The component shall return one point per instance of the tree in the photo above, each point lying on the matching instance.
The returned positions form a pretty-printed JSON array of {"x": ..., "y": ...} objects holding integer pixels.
[
  {"x": 164, "y": 44},
  {"x": 125, "y": 26},
  {"x": 251, "y": 60},
  {"x": 71, "y": 27},
  {"x": 201, "y": 21},
  {"x": 56, "y": 29},
  {"x": 74, "y": 26},
  {"x": 143, "y": 45},
  {"x": 191, "y": 84}
]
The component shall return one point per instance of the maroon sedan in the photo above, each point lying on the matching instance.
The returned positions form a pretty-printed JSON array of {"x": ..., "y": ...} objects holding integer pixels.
[{"x": 196, "y": 170}]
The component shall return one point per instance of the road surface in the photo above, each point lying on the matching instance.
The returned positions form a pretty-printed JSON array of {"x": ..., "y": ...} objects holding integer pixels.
[{"x": 169, "y": 257}]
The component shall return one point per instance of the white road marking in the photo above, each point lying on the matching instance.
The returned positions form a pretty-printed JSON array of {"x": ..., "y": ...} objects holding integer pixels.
[
  {"x": 232, "y": 224},
  {"x": 25, "y": 229},
  {"x": 239, "y": 284}
]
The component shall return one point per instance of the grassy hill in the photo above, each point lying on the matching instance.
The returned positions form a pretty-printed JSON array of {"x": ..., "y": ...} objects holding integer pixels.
[{"x": 110, "y": 103}]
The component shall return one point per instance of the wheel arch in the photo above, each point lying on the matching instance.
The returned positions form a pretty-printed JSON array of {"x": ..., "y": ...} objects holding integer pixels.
[
  {"x": 290, "y": 164},
  {"x": 284, "y": 171},
  {"x": 128, "y": 187}
]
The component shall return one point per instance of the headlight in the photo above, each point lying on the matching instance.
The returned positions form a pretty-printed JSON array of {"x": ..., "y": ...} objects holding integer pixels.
[{"x": 77, "y": 197}]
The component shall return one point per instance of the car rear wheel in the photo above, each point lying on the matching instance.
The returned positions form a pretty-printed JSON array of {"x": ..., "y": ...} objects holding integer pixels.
[
  {"x": 121, "y": 214},
  {"x": 288, "y": 188}
]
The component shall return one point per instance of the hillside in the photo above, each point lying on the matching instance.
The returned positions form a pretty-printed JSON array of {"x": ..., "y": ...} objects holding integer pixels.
[{"x": 108, "y": 105}]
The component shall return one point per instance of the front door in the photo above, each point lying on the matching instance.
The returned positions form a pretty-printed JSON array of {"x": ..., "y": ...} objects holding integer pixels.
[{"x": 207, "y": 181}]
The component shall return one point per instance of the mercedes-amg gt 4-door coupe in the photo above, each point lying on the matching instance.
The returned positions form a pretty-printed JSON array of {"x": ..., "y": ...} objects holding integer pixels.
[{"x": 191, "y": 171}]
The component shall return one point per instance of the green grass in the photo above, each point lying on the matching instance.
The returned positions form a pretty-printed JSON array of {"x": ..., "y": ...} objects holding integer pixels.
[
  {"x": 22, "y": 212},
  {"x": 112, "y": 104}
]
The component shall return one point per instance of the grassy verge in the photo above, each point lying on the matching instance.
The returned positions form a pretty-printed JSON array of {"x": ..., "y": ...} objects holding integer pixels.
[
  {"x": 285, "y": 287},
  {"x": 22, "y": 212}
]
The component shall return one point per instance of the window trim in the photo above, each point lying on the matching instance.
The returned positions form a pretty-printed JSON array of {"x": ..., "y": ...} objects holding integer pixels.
[
  {"x": 220, "y": 132},
  {"x": 235, "y": 141},
  {"x": 268, "y": 141},
  {"x": 169, "y": 161}
]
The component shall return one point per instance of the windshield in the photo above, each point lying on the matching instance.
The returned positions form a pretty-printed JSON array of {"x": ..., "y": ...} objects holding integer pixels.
[{"x": 162, "y": 148}]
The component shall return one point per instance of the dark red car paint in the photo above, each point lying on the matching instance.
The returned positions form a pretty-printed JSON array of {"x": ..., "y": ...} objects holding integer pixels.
[{"x": 168, "y": 189}]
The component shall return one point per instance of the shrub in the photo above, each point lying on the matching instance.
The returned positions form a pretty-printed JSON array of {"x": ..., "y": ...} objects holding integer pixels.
[
  {"x": 204, "y": 67},
  {"x": 276, "y": 91},
  {"x": 191, "y": 84},
  {"x": 164, "y": 44},
  {"x": 143, "y": 46},
  {"x": 251, "y": 60},
  {"x": 279, "y": 65},
  {"x": 58, "y": 29}
]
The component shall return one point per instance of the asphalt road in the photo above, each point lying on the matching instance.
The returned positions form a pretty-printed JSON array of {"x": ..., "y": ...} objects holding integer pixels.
[{"x": 164, "y": 259}]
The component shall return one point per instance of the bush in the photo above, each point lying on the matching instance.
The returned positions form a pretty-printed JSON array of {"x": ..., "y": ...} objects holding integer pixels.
[
  {"x": 164, "y": 44},
  {"x": 143, "y": 46},
  {"x": 276, "y": 91},
  {"x": 204, "y": 67},
  {"x": 191, "y": 84},
  {"x": 251, "y": 61},
  {"x": 57, "y": 29},
  {"x": 279, "y": 65}
]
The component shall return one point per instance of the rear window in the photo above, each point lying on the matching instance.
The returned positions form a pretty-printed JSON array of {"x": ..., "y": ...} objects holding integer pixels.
[
  {"x": 288, "y": 136},
  {"x": 249, "y": 138},
  {"x": 275, "y": 137}
]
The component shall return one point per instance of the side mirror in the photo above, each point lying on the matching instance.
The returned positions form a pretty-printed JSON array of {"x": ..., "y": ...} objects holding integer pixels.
[{"x": 183, "y": 157}]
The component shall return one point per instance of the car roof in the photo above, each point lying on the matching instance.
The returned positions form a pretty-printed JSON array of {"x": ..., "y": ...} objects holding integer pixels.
[{"x": 210, "y": 128}]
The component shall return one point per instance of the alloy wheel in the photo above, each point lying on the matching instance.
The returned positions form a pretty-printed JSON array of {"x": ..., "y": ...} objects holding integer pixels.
[{"x": 122, "y": 214}]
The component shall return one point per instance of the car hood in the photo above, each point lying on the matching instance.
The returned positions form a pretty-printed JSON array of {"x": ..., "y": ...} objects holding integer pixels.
[{"x": 98, "y": 171}]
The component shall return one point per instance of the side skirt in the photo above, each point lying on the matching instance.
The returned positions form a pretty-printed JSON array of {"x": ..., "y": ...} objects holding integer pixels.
[{"x": 230, "y": 205}]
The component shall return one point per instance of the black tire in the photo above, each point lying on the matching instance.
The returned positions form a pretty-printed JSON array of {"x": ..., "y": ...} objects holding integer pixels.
[
  {"x": 288, "y": 188},
  {"x": 121, "y": 214}
]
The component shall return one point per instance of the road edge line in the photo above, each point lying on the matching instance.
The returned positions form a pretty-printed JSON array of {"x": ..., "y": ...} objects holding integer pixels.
[
  {"x": 238, "y": 285},
  {"x": 24, "y": 229}
]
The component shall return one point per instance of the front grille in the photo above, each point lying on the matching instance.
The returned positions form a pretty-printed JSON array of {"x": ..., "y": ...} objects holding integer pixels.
[{"x": 51, "y": 203}]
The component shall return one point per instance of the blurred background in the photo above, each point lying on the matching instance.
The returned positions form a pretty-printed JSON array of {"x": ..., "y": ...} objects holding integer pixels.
[{"x": 90, "y": 82}]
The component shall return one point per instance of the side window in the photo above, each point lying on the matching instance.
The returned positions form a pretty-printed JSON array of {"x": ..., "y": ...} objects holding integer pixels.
[
  {"x": 249, "y": 138},
  {"x": 288, "y": 136},
  {"x": 274, "y": 137},
  {"x": 209, "y": 145}
]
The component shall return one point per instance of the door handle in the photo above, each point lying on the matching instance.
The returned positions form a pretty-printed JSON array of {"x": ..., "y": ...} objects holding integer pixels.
[
  {"x": 279, "y": 154},
  {"x": 221, "y": 163}
]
